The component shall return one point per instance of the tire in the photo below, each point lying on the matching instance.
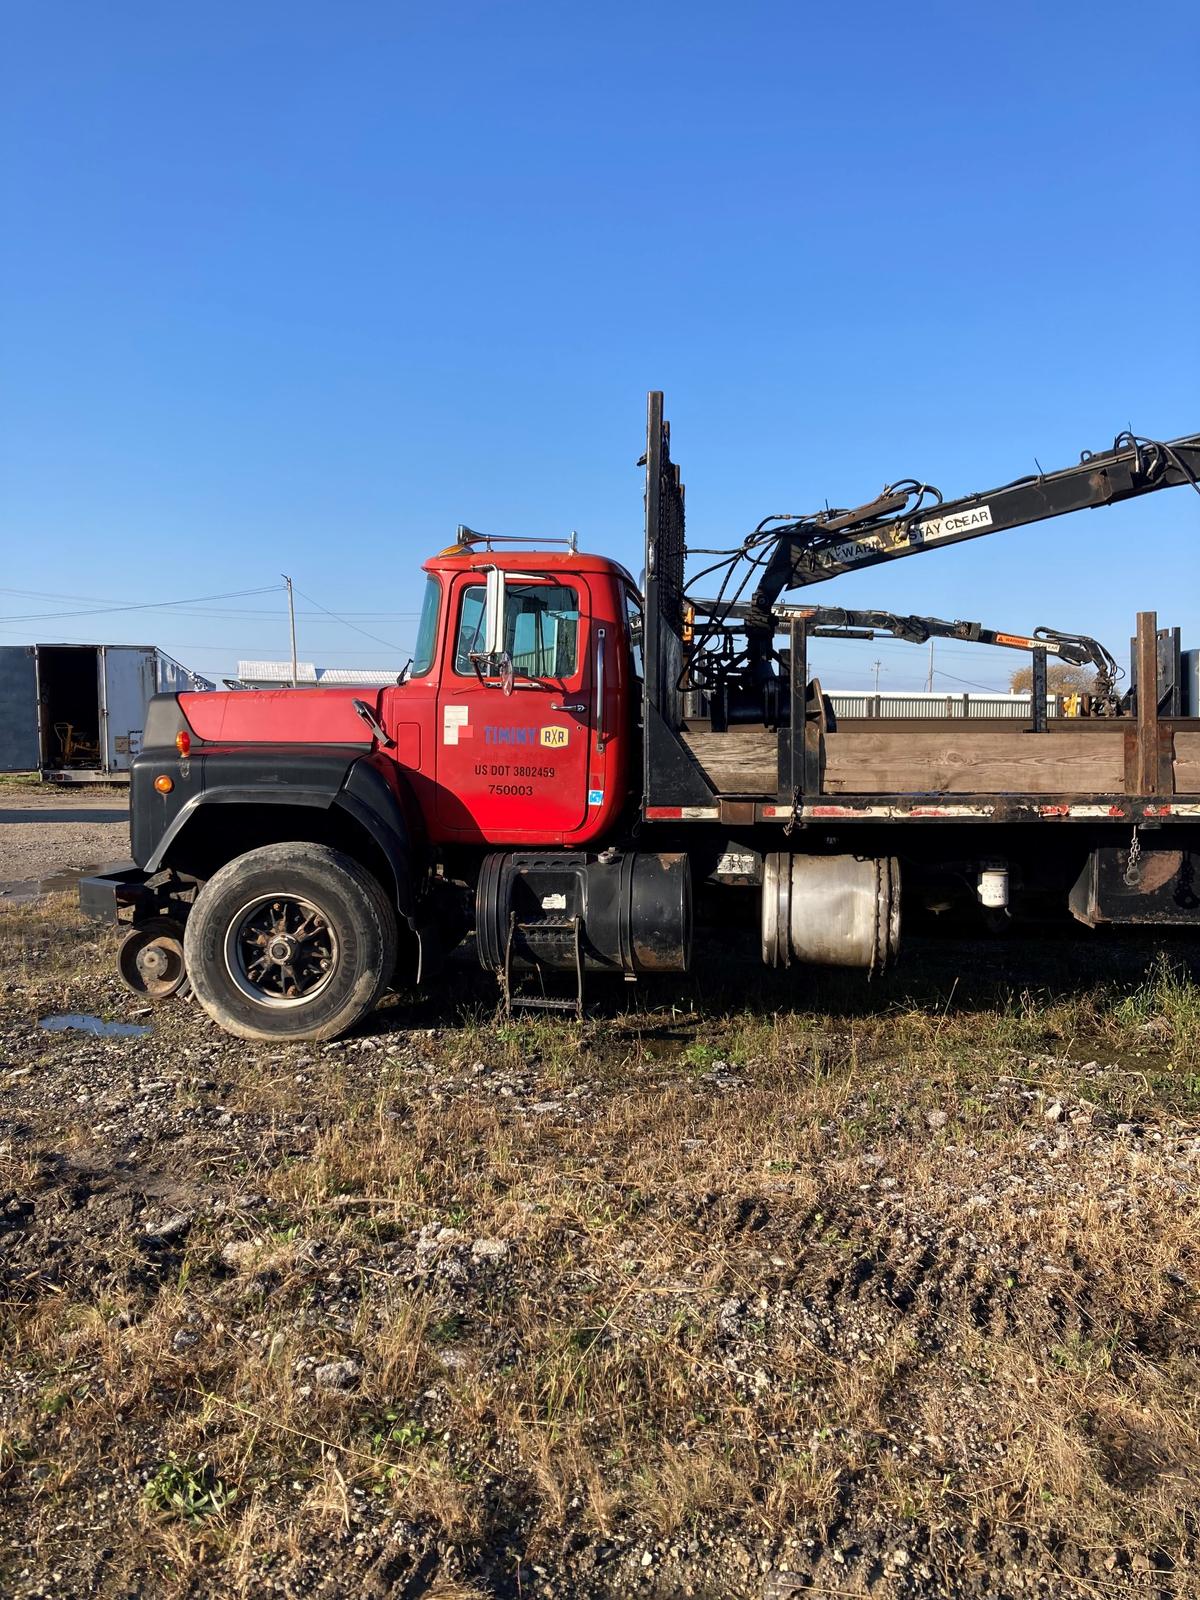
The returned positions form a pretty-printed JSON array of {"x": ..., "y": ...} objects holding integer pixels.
[{"x": 291, "y": 941}]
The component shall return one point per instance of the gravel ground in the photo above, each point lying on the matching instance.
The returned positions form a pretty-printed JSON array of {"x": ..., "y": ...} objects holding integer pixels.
[
  {"x": 830, "y": 1291},
  {"x": 44, "y": 833}
]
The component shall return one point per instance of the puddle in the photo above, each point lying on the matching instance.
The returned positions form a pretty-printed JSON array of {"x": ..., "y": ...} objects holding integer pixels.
[
  {"x": 80, "y": 1022},
  {"x": 24, "y": 889}
]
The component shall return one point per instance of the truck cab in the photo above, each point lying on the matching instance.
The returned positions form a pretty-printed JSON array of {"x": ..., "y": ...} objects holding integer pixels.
[
  {"x": 298, "y": 849},
  {"x": 517, "y": 720}
]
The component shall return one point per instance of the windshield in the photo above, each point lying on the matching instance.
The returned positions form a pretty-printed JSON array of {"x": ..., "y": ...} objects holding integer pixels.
[{"x": 426, "y": 629}]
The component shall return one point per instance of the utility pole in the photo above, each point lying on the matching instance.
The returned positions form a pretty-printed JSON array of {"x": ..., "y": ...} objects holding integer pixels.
[
  {"x": 878, "y": 665},
  {"x": 292, "y": 621},
  {"x": 929, "y": 677}
]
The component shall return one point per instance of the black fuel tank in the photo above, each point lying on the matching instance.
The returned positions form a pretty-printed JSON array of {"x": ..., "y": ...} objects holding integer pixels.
[{"x": 631, "y": 912}]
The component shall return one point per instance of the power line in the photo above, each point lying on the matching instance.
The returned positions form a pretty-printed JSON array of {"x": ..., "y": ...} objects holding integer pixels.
[
  {"x": 141, "y": 605},
  {"x": 236, "y": 647},
  {"x": 969, "y": 683},
  {"x": 366, "y": 635},
  {"x": 225, "y": 611}
]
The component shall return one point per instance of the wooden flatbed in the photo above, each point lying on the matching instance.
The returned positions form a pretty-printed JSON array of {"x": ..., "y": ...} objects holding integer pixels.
[
  {"x": 1137, "y": 768},
  {"x": 947, "y": 756}
]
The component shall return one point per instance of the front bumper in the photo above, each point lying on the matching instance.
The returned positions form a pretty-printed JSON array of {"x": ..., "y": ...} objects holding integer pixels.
[{"x": 107, "y": 893}]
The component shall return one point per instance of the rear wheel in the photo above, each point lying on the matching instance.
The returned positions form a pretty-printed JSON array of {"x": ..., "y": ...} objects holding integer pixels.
[{"x": 291, "y": 941}]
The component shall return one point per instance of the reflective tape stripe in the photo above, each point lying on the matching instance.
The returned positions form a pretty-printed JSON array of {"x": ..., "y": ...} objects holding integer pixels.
[{"x": 681, "y": 813}]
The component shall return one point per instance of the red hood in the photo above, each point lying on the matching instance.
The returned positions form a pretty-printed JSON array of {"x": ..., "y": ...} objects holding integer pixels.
[{"x": 280, "y": 716}]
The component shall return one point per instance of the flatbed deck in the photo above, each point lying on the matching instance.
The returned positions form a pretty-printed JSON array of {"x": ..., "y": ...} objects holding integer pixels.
[{"x": 1074, "y": 759}]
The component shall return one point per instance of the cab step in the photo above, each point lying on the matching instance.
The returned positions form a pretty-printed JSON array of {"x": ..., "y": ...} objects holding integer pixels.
[{"x": 516, "y": 999}]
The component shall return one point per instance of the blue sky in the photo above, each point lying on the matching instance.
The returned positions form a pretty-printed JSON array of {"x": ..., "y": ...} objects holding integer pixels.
[{"x": 300, "y": 287}]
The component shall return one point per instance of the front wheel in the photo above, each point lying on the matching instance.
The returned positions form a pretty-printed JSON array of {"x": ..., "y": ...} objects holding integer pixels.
[{"x": 291, "y": 941}]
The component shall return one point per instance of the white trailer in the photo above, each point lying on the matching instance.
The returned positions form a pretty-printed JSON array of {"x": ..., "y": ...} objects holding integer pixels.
[{"x": 75, "y": 712}]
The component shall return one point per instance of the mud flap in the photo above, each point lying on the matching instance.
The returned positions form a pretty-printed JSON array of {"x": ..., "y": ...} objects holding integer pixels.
[{"x": 1153, "y": 886}]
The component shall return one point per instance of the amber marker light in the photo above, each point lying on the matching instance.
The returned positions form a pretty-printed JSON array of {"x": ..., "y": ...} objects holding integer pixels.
[
  {"x": 183, "y": 742},
  {"x": 163, "y": 784}
]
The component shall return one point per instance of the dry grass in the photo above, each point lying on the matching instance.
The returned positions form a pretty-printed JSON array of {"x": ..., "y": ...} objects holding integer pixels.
[
  {"x": 823, "y": 1283},
  {"x": 17, "y": 781}
]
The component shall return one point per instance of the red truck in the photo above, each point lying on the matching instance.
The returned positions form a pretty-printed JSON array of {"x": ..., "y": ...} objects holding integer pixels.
[{"x": 571, "y": 754}]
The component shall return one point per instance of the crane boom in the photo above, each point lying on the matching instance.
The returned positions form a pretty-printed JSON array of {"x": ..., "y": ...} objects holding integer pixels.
[{"x": 816, "y": 549}]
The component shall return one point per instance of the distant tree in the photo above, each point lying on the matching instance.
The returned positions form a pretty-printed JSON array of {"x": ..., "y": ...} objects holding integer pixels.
[{"x": 1060, "y": 679}]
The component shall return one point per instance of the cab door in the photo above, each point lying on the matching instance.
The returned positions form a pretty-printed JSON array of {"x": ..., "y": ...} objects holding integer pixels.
[{"x": 514, "y": 767}]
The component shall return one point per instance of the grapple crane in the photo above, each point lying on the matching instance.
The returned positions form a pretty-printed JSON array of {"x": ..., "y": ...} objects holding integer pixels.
[{"x": 907, "y": 518}]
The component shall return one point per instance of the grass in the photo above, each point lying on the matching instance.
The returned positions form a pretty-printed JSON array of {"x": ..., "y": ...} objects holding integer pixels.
[
  {"x": 17, "y": 781},
  {"x": 917, "y": 1263},
  {"x": 188, "y": 1491}
]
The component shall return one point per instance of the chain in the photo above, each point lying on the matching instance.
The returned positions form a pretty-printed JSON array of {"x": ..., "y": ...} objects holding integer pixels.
[
  {"x": 793, "y": 821},
  {"x": 1133, "y": 865}
]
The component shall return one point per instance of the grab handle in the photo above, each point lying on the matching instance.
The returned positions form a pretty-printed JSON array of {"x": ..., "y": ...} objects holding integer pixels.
[{"x": 601, "y": 734}]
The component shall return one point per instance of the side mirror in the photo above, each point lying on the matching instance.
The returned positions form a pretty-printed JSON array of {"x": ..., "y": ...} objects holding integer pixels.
[
  {"x": 493, "y": 613},
  {"x": 493, "y": 661}
]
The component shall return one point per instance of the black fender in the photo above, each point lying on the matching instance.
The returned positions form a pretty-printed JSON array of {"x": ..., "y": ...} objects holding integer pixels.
[
  {"x": 339, "y": 778},
  {"x": 367, "y": 796}
]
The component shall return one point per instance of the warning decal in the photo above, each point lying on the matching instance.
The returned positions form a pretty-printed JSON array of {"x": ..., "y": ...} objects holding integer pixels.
[
  {"x": 455, "y": 722},
  {"x": 958, "y": 522}
]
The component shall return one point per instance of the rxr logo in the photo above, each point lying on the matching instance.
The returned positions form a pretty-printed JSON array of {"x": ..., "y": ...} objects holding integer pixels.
[{"x": 555, "y": 738}]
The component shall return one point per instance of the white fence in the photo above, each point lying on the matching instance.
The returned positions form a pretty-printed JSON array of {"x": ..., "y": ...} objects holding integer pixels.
[{"x": 864, "y": 703}]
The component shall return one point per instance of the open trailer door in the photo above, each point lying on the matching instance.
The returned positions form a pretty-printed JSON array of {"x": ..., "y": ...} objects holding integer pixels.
[
  {"x": 128, "y": 680},
  {"x": 19, "y": 745}
]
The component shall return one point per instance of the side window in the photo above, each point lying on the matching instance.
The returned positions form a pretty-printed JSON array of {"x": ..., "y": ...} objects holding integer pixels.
[
  {"x": 541, "y": 629},
  {"x": 634, "y": 624},
  {"x": 470, "y": 630}
]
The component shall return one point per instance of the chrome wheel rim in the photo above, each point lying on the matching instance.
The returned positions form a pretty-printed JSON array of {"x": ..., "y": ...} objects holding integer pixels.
[{"x": 281, "y": 950}]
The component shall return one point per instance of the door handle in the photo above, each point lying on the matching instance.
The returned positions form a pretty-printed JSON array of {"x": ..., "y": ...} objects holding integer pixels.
[
  {"x": 601, "y": 735},
  {"x": 577, "y": 706}
]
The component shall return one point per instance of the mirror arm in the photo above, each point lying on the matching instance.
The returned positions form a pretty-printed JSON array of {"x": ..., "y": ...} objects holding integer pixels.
[{"x": 373, "y": 722}]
